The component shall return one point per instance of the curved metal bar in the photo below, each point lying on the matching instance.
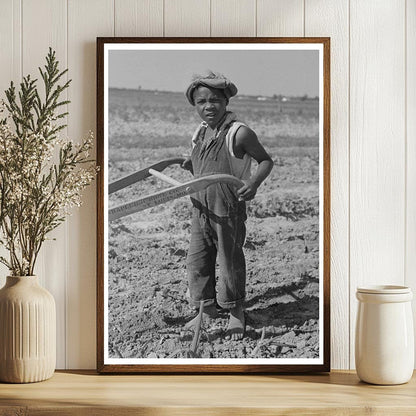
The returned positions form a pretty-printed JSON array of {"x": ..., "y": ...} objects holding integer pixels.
[
  {"x": 142, "y": 174},
  {"x": 164, "y": 178},
  {"x": 175, "y": 192}
]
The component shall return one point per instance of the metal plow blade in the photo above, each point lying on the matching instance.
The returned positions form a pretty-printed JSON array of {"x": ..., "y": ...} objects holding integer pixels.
[{"x": 178, "y": 191}]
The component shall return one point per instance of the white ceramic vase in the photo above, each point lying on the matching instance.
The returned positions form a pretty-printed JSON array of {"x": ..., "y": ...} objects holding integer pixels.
[
  {"x": 384, "y": 343},
  {"x": 27, "y": 331}
]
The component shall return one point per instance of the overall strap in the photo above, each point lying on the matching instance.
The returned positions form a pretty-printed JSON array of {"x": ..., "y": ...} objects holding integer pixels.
[{"x": 240, "y": 168}]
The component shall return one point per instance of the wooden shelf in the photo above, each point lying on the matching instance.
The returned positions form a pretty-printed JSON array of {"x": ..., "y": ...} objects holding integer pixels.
[{"x": 86, "y": 393}]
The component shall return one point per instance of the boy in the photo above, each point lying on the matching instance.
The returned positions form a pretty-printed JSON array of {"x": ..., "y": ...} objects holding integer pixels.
[{"x": 221, "y": 144}]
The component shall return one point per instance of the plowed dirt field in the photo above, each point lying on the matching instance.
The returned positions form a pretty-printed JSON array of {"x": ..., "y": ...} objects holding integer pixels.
[{"x": 147, "y": 282}]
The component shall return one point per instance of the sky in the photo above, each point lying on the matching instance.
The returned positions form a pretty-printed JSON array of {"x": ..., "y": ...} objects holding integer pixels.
[{"x": 255, "y": 72}]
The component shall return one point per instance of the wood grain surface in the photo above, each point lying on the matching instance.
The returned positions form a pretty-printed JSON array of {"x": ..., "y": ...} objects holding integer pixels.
[
  {"x": 377, "y": 172},
  {"x": 138, "y": 17},
  {"x": 81, "y": 257},
  {"x": 85, "y": 393},
  {"x": 104, "y": 367},
  {"x": 373, "y": 131},
  {"x": 280, "y": 18},
  {"x": 410, "y": 138},
  {"x": 233, "y": 18},
  {"x": 331, "y": 18},
  {"x": 35, "y": 45},
  {"x": 10, "y": 65},
  {"x": 187, "y": 18}
]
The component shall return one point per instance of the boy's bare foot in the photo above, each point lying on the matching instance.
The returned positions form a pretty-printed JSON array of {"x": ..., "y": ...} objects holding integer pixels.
[
  {"x": 236, "y": 324},
  {"x": 210, "y": 312}
]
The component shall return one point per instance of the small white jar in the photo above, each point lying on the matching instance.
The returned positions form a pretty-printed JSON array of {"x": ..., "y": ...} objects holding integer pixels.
[{"x": 384, "y": 340}]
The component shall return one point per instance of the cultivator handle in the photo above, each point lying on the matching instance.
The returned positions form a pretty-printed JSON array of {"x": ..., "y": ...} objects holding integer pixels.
[
  {"x": 142, "y": 174},
  {"x": 178, "y": 191}
]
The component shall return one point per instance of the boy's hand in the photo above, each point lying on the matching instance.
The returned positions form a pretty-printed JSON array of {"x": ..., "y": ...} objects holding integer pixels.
[
  {"x": 187, "y": 165},
  {"x": 248, "y": 191}
]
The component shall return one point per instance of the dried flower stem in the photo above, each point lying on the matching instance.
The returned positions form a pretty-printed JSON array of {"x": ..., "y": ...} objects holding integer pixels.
[{"x": 36, "y": 194}]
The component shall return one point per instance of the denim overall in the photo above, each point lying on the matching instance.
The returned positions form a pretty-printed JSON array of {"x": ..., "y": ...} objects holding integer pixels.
[{"x": 218, "y": 230}]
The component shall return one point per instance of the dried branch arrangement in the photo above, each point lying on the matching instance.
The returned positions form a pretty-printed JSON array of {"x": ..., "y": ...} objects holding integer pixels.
[{"x": 41, "y": 174}]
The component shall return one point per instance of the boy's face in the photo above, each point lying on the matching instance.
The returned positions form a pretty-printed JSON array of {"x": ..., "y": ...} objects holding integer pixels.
[{"x": 210, "y": 105}]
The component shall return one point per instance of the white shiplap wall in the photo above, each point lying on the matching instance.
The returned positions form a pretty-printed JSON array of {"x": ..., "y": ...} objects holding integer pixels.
[{"x": 373, "y": 132}]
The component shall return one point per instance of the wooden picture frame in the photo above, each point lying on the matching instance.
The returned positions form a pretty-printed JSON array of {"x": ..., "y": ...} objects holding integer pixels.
[{"x": 143, "y": 117}]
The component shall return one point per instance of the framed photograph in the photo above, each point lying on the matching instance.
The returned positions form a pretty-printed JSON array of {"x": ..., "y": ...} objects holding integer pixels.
[{"x": 213, "y": 205}]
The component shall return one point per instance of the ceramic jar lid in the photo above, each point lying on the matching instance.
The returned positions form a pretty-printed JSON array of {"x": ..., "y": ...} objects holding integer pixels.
[{"x": 384, "y": 289}]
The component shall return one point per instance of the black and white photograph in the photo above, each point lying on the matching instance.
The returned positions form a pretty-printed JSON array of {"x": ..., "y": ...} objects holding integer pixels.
[{"x": 213, "y": 245}]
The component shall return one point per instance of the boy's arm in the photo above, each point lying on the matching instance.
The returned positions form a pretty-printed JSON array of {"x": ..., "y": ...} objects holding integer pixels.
[{"x": 246, "y": 141}]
